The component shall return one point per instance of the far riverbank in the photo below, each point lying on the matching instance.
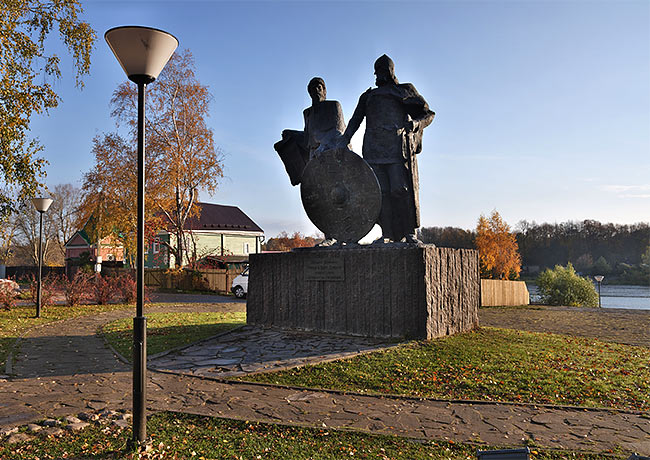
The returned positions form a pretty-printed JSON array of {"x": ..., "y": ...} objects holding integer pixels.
[{"x": 612, "y": 296}]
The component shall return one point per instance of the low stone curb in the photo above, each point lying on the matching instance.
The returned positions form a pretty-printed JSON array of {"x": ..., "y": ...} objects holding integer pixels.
[
  {"x": 172, "y": 350},
  {"x": 183, "y": 347}
]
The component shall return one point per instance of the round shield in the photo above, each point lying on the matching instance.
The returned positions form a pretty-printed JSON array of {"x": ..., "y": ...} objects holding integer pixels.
[{"x": 341, "y": 195}]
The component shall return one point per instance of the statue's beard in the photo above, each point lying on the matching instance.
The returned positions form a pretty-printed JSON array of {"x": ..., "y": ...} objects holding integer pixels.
[{"x": 383, "y": 81}]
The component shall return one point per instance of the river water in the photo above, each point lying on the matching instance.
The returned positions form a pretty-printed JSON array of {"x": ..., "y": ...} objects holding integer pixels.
[{"x": 614, "y": 296}]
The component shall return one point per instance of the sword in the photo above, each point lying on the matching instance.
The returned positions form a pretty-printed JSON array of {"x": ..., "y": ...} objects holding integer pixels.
[{"x": 412, "y": 164}]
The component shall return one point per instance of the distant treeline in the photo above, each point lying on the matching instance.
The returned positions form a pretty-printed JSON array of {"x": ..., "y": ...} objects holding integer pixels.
[{"x": 589, "y": 245}]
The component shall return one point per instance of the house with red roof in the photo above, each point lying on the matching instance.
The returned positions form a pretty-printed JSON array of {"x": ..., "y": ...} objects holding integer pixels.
[
  {"x": 219, "y": 236},
  {"x": 81, "y": 244}
]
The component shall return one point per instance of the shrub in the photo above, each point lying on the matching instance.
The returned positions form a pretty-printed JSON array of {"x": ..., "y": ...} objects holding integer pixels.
[
  {"x": 8, "y": 293},
  {"x": 49, "y": 286},
  {"x": 562, "y": 286},
  {"x": 75, "y": 289},
  {"x": 196, "y": 280},
  {"x": 128, "y": 288},
  {"x": 104, "y": 288}
]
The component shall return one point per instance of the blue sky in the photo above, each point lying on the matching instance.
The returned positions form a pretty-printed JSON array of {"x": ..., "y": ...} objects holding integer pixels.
[{"x": 542, "y": 108}]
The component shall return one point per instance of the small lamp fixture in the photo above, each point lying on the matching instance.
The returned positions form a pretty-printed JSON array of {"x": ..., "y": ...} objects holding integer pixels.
[{"x": 42, "y": 204}]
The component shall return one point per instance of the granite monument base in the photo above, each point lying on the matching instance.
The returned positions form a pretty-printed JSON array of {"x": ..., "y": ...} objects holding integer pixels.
[{"x": 414, "y": 292}]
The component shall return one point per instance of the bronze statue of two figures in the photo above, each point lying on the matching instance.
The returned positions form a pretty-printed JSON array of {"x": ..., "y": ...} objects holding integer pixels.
[{"x": 343, "y": 195}]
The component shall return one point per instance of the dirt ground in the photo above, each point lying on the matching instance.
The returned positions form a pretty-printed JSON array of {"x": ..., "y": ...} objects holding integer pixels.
[{"x": 630, "y": 327}]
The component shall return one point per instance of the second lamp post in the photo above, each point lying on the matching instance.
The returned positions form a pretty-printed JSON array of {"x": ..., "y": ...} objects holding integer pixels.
[
  {"x": 599, "y": 279},
  {"x": 41, "y": 205}
]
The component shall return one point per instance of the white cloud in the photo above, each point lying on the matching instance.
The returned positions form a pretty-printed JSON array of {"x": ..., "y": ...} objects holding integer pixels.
[
  {"x": 635, "y": 195},
  {"x": 626, "y": 188}
]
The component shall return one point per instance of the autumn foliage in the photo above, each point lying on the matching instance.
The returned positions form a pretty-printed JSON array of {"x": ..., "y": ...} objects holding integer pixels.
[
  {"x": 181, "y": 160},
  {"x": 29, "y": 72},
  {"x": 497, "y": 247},
  {"x": 180, "y": 145},
  {"x": 284, "y": 242}
]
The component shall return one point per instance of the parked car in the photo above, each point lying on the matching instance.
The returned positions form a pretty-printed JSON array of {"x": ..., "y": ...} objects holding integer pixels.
[{"x": 240, "y": 285}]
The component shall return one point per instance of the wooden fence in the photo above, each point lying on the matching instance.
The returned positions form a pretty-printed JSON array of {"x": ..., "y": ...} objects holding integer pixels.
[
  {"x": 24, "y": 271},
  {"x": 218, "y": 280},
  {"x": 503, "y": 293}
]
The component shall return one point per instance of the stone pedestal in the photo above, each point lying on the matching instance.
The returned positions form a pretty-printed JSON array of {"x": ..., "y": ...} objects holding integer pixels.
[{"x": 416, "y": 292}]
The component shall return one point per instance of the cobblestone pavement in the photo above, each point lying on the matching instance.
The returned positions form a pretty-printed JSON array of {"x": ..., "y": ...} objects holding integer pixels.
[
  {"x": 251, "y": 350},
  {"x": 82, "y": 374},
  {"x": 610, "y": 324}
]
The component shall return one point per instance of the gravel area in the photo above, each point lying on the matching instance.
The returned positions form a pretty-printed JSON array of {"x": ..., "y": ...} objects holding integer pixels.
[{"x": 610, "y": 324}]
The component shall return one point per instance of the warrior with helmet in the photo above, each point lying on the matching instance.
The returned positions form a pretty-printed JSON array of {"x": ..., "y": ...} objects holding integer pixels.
[{"x": 396, "y": 116}]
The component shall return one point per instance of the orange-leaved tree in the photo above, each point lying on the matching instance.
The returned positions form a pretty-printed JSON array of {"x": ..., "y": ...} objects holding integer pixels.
[
  {"x": 284, "y": 242},
  {"x": 497, "y": 248},
  {"x": 109, "y": 202},
  {"x": 181, "y": 160},
  {"x": 180, "y": 145}
]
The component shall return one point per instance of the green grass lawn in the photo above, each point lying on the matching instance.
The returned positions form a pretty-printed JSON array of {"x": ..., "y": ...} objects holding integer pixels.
[
  {"x": 189, "y": 436},
  {"x": 492, "y": 365},
  {"x": 170, "y": 330},
  {"x": 18, "y": 320}
]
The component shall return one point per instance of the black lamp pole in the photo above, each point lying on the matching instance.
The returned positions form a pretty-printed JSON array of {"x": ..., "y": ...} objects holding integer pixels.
[
  {"x": 40, "y": 264},
  {"x": 139, "y": 321},
  {"x": 599, "y": 281}
]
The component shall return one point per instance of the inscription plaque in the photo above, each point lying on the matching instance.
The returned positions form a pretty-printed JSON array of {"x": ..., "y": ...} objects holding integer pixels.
[{"x": 321, "y": 269}]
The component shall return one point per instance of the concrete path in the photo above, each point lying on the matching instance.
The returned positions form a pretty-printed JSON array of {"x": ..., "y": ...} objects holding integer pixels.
[{"x": 64, "y": 369}]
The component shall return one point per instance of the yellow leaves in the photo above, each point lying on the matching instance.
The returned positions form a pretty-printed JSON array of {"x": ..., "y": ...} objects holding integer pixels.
[
  {"x": 181, "y": 157},
  {"x": 497, "y": 247},
  {"x": 284, "y": 242},
  {"x": 24, "y": 90}
]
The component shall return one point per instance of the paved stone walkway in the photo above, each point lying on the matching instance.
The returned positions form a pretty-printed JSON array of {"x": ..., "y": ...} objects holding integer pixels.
[
  {"x": 76, "y": 372},
  {"x": 251, "y": 350}
]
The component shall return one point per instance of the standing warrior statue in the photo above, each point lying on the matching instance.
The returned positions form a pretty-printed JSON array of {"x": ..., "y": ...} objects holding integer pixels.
[{"x": 396, "y": 116}]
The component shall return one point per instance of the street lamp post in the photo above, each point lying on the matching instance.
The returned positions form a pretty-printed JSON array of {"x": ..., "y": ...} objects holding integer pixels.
[
  {"x": 41, "y": 205},
  {"x": 599, "y": 279},
  {"x": 142, "y": 52}
]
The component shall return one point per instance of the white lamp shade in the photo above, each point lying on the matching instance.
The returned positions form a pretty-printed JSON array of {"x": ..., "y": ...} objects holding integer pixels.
[
  {"x": 141, "y": 51},
  {"x": 42, "y": 204}
]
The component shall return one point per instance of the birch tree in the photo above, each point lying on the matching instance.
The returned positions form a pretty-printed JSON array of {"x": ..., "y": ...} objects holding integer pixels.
[
  {"x": 181, "y": 158},
  {"x": 28, "y": 72}
]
